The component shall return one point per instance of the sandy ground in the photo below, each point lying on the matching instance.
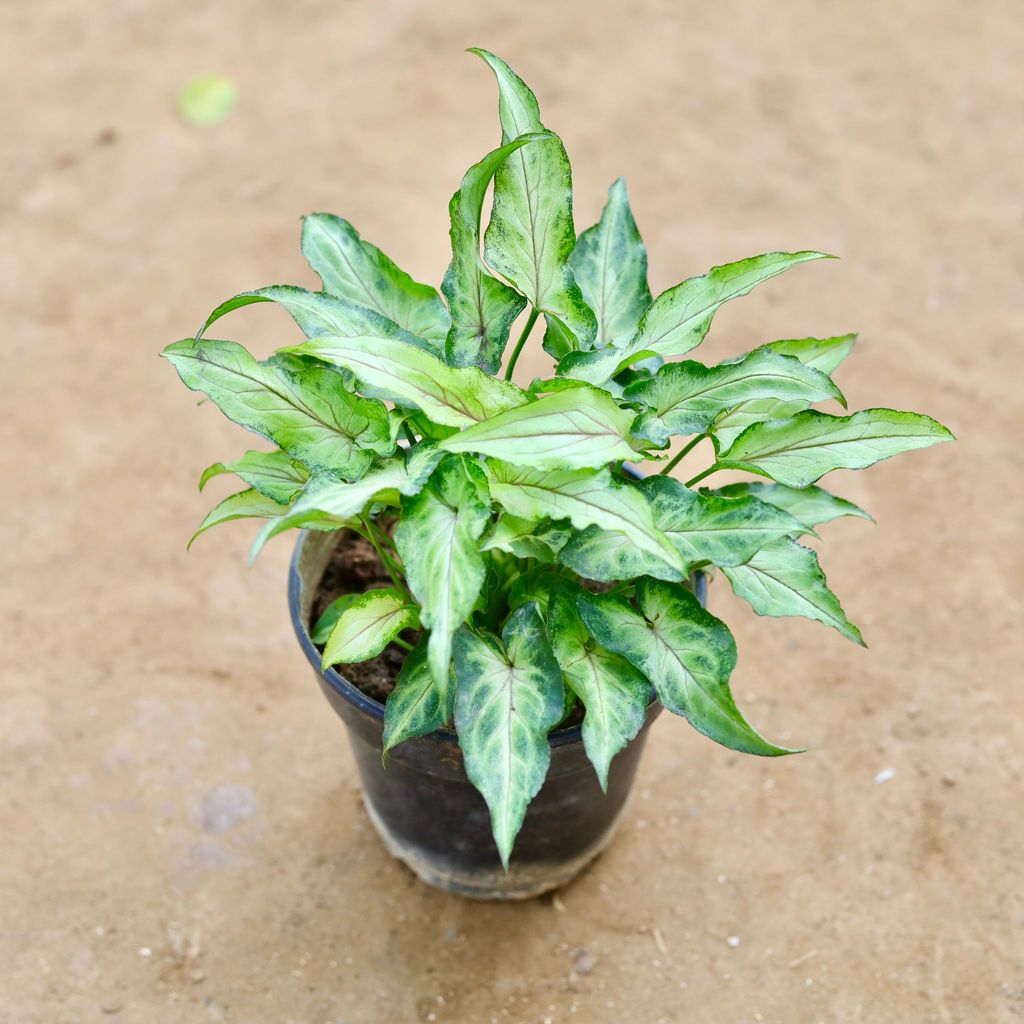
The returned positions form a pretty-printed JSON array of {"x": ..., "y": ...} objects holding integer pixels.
[{"x": 182, "y": 836}]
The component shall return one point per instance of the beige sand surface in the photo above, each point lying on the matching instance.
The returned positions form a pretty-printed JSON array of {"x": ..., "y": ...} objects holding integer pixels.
[{"x": 181, "y": 833}]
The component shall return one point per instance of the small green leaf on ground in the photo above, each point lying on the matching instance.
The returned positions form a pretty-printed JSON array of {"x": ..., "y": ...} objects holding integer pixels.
[{"x": 207, "y": 99}]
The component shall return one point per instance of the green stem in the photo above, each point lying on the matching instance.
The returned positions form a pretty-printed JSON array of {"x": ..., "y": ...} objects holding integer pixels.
[
  {"x": 386, "y": 561},
  {"x": 700, "y": 476},
  {"x": 402, "y": 643},
  {"x": 410, "y": 436},
  {"x": 532, "y": 319},
  {"x": 682, "y": 453}
]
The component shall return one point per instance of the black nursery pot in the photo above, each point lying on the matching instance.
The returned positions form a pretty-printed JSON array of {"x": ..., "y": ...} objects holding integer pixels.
[{"x": 428, "y": 813}]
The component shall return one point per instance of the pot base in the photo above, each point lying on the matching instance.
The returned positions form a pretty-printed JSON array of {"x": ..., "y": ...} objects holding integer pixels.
[{"x": 518, "y": 883}]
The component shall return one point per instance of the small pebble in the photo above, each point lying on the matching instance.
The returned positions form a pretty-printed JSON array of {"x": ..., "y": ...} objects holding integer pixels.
[
  {"x": 884, "y": 776},
  {"x": 733, "y": 941},
  {"x": 583, "y": 962},
  {"x": 145, "y": 951}
]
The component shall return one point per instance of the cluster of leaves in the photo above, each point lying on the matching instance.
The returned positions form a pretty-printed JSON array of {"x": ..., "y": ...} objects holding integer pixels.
[{"x": 508, "y": 501}]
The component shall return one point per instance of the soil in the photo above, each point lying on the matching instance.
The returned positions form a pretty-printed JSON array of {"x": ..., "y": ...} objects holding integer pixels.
[
  {"x": 183, "y": 838},
  {"x": 353, "y": 569}
]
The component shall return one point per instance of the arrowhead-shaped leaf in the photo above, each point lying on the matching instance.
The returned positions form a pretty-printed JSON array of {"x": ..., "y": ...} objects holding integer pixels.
[
  {"x": 785, "y": 579},
  {"x": 249, "y": 504},
  {"x": 685, "y": 398},
  {"x": 483, "y": 308},
  {"x": 367, "y": 626},
  {"x": 531, "y": 236},
  {"x": 810, "y": 505},
  {"x": 437, "y": 538},
  {"x": 308, "y": 414},
  {"x": 526, "y": 538},
  {"x": 684, "y": 651},
  {"x": 328, "y": 619},
  {"x": 327, "y": 501},
  {"x": 610, "y": 265},
  {"x": 358, "y": 272},
  {"x": 800, "y": 450},
  {"x": 586, "y": 498},
  {"x": 824, "y": 354},
  {"x": 415, "y": 707},
  {"x": 453, "y": 396},
  {"x": 271, "y": 473},
  {"x": 679, "y": 318},
  {"x": 582, "y": 428},
  {"x": 613, "y": 692},
  {"x": 509, "y": 696}
]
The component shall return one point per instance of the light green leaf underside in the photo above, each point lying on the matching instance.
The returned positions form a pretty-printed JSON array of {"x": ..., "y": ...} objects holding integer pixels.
[
  {"x": 810, "y": 505},
  {"x": 273, "y": 474},
  {"x": 437, "y": 539},
  {"x": 582, "y": 428},
  {"x": 308, "y": 413},
  {"x": 785, "y": 579},
  {"x": 679, "y": 318},
  {"x": 414, "y": 707},
  {"x": 509, "y": 696},
  {"x": 586, "y": 498},
  {"x": 358, "y": 272},
  {"x": 613, "y": 692},
  {"x": 824, "y": 354},
  {"x": 800, "y": 450},
  {"x": 248, "y": 504},
  {"x": 327, "y": 501},
  {"x": 530, "y": 236},
  {"x": 610, "y": 265},
  {"x": 685, "y": 398},
  {"x": 452, "y": 396},
  {"x": 367, "y": 626},
  {"x": 483, "y": 308},
  {"x": 684, "y": 651},
  {"x": 526, "y": 538}
]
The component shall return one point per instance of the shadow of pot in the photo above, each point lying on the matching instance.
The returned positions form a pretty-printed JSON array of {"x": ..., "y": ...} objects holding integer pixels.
[{"x": 425, "y": 809}]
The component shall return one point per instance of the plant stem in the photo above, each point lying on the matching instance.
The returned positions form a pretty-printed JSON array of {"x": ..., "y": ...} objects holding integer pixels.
[
  {"x": 700, "y": 476},
  {"x": 410, "y": 436},
  {"x": 520, "y": 343},
  {"x": 386, "y": 561},
  {"x": 402, "y": 643},
  {"x": 682, "y": 453}
]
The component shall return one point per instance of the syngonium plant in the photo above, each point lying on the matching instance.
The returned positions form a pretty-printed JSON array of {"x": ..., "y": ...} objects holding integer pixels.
[{"x": 496, "y": 508}]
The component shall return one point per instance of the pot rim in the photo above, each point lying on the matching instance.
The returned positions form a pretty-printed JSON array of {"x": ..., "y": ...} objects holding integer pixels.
[{"x": 350, "y": 692}]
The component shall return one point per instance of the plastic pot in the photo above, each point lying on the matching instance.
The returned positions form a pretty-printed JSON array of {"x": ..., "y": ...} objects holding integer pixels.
[{"x": 428, "y": 813}]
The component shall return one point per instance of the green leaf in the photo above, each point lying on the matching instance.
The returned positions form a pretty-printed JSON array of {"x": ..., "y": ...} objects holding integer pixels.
[
  {"x": 613, "y": 692},
  {"x": 318, "y": 313},
  {"x": 531, "y": 236},
  {"x": 308, "y": 414},
  {"x": 248, "y": 504},
  {"x": 526, "y": 538},
  {"x": 684, "y": 651},
  {"x": 679, "y": 318},
  {"x": 415, "y": 707},
  {"x": 271, "y": 473},
  {"x": 810, "y": 505},
  {"x": 610, "y": 265},
  {"x": 586, "y": 498},
  {"x": 329, "y": 617},
  {"x": 452, "y": 396},
  {"x": 367, "y": 626},
  {"x": 483, "y": 308},
  {"x": 437, "y": 539},
  {"x": 358, "y": 272},
  {"x": 785, "y": 579},
  {"x": 509, "y": 696},
  {"x": 610, "y": 555},
  {"x": 810, "y": 444},
  {"x": 575, "y": 429},
  {"x": 685, "y": 398},
  {"x": 710, "y": 529},
  {"x": 536, "y": 585},
  {"x": 824, "y": 354},
  {"x": 326, "y": 500}
]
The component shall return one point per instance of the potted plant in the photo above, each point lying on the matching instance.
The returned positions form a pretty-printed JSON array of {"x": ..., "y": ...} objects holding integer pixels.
[{"x": 490, "y": 596}]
